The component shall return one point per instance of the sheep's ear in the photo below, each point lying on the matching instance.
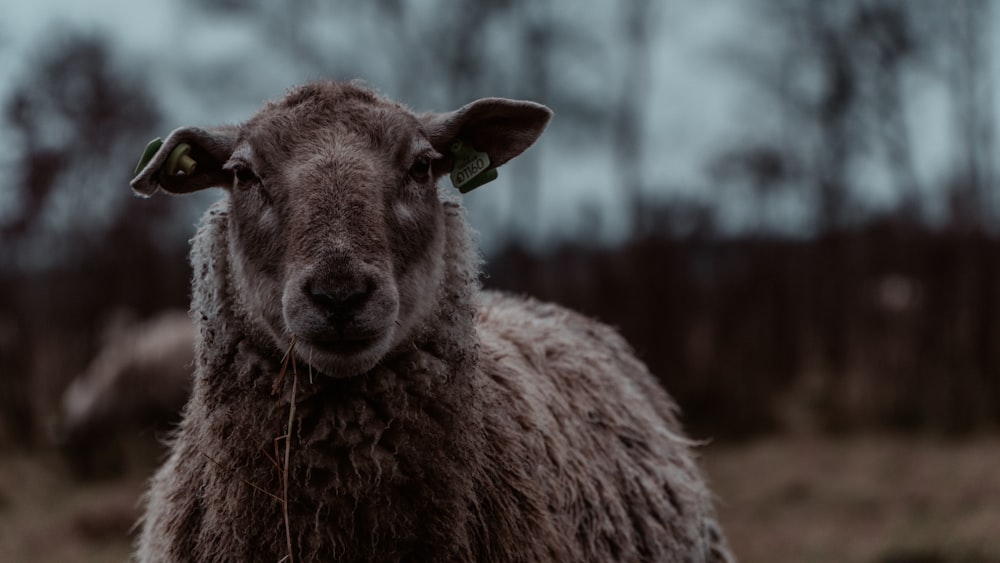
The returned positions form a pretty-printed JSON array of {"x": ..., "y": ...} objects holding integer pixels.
[
  {"x": 191, "y": 159},
  {"x": 499, "y": 127}
]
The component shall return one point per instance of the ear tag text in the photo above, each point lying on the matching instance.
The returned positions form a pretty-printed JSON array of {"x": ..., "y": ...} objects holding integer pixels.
[{"x": 471, "y": 168}]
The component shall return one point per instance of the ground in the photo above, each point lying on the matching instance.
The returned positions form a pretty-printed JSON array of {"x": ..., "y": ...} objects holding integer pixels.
[
  {"x": 800, "y": 500},
  {"x": 46, "y": 516},
  {"x": 871, "y": 499}
]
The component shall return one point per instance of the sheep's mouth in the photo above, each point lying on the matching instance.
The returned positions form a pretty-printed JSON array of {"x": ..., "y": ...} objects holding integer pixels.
[
  {"x": 343, "y": 346},
  {"x": 342, "y": 357}
]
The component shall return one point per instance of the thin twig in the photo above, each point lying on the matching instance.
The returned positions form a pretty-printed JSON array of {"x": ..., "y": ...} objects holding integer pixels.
[
  {"x": 284, "y": 366},
  {"x": 259, "y": 489},
  {"x": 310, "y": 365},
  {"x": 288, "y": 449},
  {"x": 245, "y": 481},
  {"x": 273, "y": 460}
]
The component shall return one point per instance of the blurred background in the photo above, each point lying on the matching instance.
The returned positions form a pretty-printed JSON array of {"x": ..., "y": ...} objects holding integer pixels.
[{"x": 789, "y": 208}]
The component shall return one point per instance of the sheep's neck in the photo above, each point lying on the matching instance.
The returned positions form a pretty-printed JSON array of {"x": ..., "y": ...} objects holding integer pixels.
[{"x": 400, "y": 435}]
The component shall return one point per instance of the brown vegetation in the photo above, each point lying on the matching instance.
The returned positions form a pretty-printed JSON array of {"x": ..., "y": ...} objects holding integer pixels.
[{"x": 872, "y": 499}]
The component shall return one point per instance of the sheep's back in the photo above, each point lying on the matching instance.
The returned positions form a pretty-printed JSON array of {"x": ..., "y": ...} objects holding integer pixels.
[{"x": 602, "y": 438}]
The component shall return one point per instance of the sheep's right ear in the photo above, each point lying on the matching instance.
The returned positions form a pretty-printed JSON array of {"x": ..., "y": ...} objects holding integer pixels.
[
  {"x": 191, "y": 159},
  {"x": 499, "y": 127}
]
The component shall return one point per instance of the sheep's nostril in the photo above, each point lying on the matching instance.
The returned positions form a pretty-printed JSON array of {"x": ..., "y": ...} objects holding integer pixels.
[
  {"x": 340, "y": 300},
  {"x": 319, "y": 295}
]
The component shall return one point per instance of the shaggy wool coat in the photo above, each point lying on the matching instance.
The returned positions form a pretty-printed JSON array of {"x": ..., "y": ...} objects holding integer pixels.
[{"x": 507, "y": 430}]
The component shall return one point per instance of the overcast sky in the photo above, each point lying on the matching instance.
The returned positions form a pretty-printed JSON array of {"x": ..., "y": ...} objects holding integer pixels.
[{"x": 696, "y": 102}]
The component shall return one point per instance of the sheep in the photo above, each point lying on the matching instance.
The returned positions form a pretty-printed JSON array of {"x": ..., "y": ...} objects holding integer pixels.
[
  {"x": 134, "y": 387},
  {"x": 359, "y": 397}
]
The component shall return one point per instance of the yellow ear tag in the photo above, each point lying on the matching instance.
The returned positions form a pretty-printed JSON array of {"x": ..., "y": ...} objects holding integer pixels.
[{"x": 471, "y": 167}]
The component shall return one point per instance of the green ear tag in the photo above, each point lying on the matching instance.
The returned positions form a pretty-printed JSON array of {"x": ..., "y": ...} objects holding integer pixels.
[
  {"x": 471, "y": 167},
  {"x": 147, "y": 154},
  {"x": 179, "y": 161}
]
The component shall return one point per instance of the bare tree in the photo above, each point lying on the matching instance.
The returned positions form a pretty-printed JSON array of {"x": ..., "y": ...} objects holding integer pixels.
[
  {"x": 75, "y": 113},
  {"x": 887, "y": 44},
  {"x": 77, "y": 120},
  {"x": 627, "y": 125},
  {"x": 972, "y": 93}
]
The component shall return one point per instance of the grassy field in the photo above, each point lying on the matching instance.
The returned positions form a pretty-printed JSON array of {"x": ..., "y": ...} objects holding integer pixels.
[
  {"x": 45, "y": 516},
  {"x": 873, "y": 500},
  {"x": 859, "y": 500}
]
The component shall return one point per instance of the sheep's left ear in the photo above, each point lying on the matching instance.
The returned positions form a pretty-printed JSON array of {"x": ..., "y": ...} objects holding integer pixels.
[
  {"x": 191, "y": 159},
  {"x": 499, "y": 127}
]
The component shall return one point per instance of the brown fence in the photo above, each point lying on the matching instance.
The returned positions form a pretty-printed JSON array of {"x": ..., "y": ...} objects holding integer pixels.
[{"x": 890, "y": 327}]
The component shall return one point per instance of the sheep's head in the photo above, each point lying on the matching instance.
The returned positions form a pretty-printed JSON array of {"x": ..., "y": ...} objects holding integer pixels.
[{"x": 336, "y": 229}]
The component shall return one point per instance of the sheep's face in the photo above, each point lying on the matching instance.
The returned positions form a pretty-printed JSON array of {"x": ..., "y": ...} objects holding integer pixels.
[
  {"x": 337, "y": 234},
  {"x": 336, "y": 228}
]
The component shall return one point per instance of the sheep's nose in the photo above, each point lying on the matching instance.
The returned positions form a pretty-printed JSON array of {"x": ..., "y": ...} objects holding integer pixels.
[{"x": 340, "y": 299}]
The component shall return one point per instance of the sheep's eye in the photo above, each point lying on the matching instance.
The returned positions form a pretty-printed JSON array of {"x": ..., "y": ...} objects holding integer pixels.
[
  {"x": 245, "y": 176},
  {"x": 420, "y": 171},
  {"x": 245, "y": 179}
]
